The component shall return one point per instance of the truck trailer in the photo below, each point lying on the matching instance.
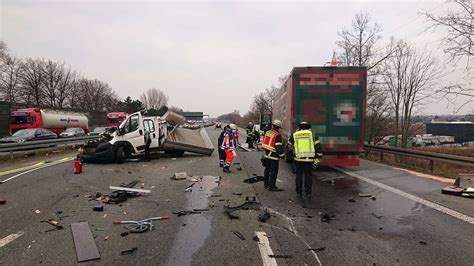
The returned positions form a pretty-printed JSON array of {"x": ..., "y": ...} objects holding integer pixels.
[
  {"x": 333, "y": 101},
  {"x": 55, "y": 121}
]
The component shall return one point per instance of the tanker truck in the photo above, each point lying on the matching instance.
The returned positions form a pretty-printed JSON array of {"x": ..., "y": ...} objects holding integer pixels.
[
  {"x": 332, "y": 100},
  {"x": 55, "y": 121}
]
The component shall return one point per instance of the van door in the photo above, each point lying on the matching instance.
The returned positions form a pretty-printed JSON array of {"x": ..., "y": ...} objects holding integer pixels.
[
  {"x": 133, "y": 132},
  {"x": 149, "y": 124}
]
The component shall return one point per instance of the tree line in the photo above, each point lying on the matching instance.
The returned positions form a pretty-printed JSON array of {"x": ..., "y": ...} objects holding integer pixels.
[
  {"x": 401, "y": 78},
  {"x": 49, "y": 84}
]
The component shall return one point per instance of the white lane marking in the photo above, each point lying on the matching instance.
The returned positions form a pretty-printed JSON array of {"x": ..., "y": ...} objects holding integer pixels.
[
  {"x": 265, "y": 249},
  {"x": 10, "y": 238},
  {"x": 37, "y": 168},
  {"x": 427, "y": 203},
  {"x": 293, "y": 230}
]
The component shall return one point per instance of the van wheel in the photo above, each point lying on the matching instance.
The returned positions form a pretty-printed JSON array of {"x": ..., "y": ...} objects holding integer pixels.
[{"x": 120, "y": 155}]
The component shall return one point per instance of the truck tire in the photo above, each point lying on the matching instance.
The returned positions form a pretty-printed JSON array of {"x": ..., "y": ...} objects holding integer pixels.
[{"x": 120, "y": 155}]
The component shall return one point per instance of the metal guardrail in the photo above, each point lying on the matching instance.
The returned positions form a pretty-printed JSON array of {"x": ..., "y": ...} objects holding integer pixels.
[
  {"x": 431, "y": 156},
  {"x": 27, "y": 145}
]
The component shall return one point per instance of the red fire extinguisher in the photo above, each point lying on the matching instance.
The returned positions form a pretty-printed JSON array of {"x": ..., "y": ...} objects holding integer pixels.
[{"x": 77, "y": 166}]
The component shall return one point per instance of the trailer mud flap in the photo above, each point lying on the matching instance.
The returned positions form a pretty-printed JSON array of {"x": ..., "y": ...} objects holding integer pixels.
[{"x": 190, "y": 140}]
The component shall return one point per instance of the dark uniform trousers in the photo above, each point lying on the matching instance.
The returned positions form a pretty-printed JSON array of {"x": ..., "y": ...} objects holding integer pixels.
[
  {"x": 271, "y": 173},
  {"x": 306, "y": 169}
]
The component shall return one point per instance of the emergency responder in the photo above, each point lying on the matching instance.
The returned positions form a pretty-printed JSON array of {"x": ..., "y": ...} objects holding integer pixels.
[
  {"x": 147, "y": 141},
  {"x": 220, "y": 150},
  {"x": 250, "y": 135},
  {"x": 273, "y": 151},
  {"x": 228, "y": 147},
  {"x": 307, "y": 152},
  {"x": 235, "y": 133}
]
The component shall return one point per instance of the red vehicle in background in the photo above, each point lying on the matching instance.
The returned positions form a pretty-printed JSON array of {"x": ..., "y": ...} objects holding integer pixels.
[
  {"x": 55, "y": 121},
  {"x": 114, "y": 119}
]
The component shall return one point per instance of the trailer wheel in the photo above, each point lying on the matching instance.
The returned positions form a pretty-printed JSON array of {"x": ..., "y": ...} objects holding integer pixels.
[{"x": 120, "y": 155}]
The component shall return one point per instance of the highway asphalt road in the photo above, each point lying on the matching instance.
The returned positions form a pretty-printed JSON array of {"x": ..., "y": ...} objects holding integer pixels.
[{"x": 409, "y": 222}]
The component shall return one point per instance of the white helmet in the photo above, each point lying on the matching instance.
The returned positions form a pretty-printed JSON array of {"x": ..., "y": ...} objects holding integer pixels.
[
  {"x": 277, "y": 123},
  {"x": 233, "y": 126}
]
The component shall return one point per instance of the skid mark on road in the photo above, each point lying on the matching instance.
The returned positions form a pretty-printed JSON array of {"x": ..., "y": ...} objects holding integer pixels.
[
  {"x": 427, "y": 203},
  {"x": 10, "y": 238},
  {"x": 67, "y": 159}
]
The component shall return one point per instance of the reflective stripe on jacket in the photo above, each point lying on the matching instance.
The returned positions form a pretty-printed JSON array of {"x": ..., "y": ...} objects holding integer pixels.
[{"x": 269, "y": 140}]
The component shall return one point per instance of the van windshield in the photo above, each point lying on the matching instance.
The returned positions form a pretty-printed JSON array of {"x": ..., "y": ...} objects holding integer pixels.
[{"x": 21, "y": 120}]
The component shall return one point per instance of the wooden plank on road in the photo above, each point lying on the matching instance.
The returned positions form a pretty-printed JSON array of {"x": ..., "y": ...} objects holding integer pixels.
[{"x": 86, "y": 248}]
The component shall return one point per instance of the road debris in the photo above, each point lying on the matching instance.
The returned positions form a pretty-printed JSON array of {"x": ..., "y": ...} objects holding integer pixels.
[
  {"x": 182, "y": 213},
  {"x": 374, "y": 198},
  {"x": 86, "y": 248},
  {"x": 325, "y": 218},
  {"x": 264, "y": 216},
  {"x": 124, "y": 234},
  {"x": 423, "y": 243},
  {"x": 255, "y": 238},
  {"x": 352, "y": 200},
  {"x": 239, "y": 168},
  {"x": 106, "y": 238},
  {"x": 54, "y": 223},
  {"x": 141, "y": 226},
  {"x": 254, "y": 179},
  {"x": 180, "y": 176},
  {"x": 3, "y": 201},
  {"x": 362, "y": 195},
  {"x": 37, "y": 211},
  {"x": 129, "y": 251},
  {"x": 239, "y": 235},
  {"x": 317, "y": 249},
  {"x": 249, "y": 202},
  {"x": 377, "y": 216},
  {"x": 237, "y": 193},
  {"x": 98, "y": 208},
  {"x": 146, "y": 191}
]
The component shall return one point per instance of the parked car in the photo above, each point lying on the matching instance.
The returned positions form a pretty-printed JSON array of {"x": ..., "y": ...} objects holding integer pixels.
[
  {"x": 72, "y": 132},
  {"x": 29, "y": 134}
]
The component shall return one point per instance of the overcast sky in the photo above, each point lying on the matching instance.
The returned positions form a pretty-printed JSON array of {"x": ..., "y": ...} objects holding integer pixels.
[{"x": 206, "y": 56}]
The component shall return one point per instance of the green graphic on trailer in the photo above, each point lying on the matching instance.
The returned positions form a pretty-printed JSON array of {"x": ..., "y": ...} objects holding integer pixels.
[{"x": 336, "y": 115}]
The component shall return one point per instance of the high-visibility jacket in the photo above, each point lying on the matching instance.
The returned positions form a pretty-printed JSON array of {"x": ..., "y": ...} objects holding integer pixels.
[
  {"x": 305, "y": 147},
  {"x": 228, "y": 142},
  {"x": 272, "y": 144}
]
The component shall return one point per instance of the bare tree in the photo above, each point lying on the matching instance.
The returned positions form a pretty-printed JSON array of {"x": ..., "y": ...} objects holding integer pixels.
[
  {"x": 53, "y": 74},
  {"x": 65, "y": 87},
  {"x": 459, "y": 24},
  {"x": 11, "y": 71},
  {"x": 154, "y": 99},
  {"x": 410, "y": 77},
  {"x": 358, "y": 46},
  {"x": 32, "y": 82}
]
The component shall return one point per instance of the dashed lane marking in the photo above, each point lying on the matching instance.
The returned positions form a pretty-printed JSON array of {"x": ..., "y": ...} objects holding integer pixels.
[
  {"x": 265, "y": 249},
  {"x": 67, "y": 159},
  {"x": 10, "y": 238},
  {"x": 427, "y": 203}
]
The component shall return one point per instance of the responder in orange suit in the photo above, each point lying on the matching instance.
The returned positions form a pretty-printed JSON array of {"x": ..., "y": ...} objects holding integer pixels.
[
  {"x": 228, "y": 147},
  {"x": 273, "y": 152}
]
